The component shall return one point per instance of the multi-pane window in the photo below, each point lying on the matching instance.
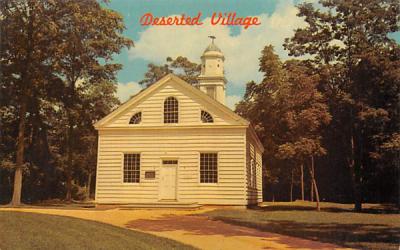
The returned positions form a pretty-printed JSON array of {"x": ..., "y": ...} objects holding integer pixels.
[
  {"x": 136, "y": 118},
  {"x": 131, "y": 168},
  {"x": 208, "y": 167},
  {"x": 171, "y": 110},
  {"x": 206, "y": 117}
]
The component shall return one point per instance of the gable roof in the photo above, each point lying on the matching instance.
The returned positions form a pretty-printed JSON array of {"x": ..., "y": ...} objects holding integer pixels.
[{"x": 159, "y": 84}]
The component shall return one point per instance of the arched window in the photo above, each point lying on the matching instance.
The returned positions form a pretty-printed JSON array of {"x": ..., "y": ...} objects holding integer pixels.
[
  {"x": 136, "y": 118},
  {"x": 206, "y": 117},
  {"x": 171, "y": 110}
]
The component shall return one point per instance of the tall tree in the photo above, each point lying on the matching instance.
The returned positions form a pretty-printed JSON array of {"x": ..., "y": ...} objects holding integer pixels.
[
  {"x": 305, "y": 114},
  {"x": 181, "y": 66},
  {"x": 86, "y": 33},
  {"x": 349, "y": 44},
  {"x": 288, "y": 111},
  {"x": 26, "y": 30}
]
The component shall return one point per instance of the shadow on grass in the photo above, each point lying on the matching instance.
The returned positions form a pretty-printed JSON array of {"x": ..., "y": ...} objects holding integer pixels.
[
  {"x": 362, "y": 236},
  {"x": 378, "y": 209}
]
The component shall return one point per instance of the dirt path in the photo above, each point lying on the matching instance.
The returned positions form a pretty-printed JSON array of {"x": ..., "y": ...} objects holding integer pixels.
[{"x": 182, "y": 226}]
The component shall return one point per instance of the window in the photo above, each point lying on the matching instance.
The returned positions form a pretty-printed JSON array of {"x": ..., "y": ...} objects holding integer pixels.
[
  {"x": 131, "y": 168},
  {"x": 208, "y": 168},
  {"x": 252, "y": 168},
  {"x": 211, "y": 91},
  {"x": 171, "y": 110},
  {"x": 136, "y": 118},
  {"x": 206, "y": 117}
]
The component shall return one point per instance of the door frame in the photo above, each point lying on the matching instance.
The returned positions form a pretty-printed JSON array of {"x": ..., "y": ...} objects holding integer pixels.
[{"x": 176, "y": 166}]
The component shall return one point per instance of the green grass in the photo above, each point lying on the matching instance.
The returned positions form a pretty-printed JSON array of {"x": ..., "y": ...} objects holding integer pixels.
[
  {"x": 379, "y": 228},
  {"x": 20, "y": 230}
]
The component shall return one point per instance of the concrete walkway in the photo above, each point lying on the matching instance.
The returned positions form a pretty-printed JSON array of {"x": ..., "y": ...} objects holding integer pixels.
[{"x": 183, "y": 226}]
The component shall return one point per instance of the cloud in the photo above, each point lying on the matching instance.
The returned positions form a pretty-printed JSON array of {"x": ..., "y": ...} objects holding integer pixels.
[
  {"x": 126, "y": 90},
  {"x": 241, "y": 50},
  {"x": 231, "y": 100}
]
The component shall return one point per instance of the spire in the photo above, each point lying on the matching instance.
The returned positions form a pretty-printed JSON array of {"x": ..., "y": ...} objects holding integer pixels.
[
  {"x": 211, "y": 79},
  {"x": 212, "y": 46},
  {"x": 212, "y": 39}
]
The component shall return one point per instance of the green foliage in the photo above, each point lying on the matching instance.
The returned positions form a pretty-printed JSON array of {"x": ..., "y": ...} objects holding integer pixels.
[
  {"x": 57, "y": 70},
  {"x": 181, "y": 66},
  {"x": 348, "y": 43},
  {"x": 288, "y": 113}
]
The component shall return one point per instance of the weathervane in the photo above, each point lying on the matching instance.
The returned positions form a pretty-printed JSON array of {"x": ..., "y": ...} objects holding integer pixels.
[{"x": 212, "y": 38}]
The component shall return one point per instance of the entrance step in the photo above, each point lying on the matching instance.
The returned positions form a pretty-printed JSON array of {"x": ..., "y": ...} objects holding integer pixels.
[{"x": 162, "y": 204}]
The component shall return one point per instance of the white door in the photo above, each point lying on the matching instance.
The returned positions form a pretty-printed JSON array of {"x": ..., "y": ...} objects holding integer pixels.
[{"x": 168, "y": 180}]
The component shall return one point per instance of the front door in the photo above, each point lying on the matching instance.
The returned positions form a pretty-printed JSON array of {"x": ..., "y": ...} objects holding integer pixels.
[{"x": 168, "y": 179}]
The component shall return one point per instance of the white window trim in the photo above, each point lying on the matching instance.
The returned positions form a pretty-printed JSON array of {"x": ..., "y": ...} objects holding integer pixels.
[
  {"x": 122, "y": 169},
  {"x": 199, "y": 168},
  {"x": 141, "y": 119},
  {"x": 179, "y": 112},
  {"x": 201, "y": 121}
]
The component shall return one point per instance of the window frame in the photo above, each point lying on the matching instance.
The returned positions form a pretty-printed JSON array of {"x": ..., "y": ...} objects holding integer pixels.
[
  {"x": 201, "y": 116},
  {"x": 252, "y": 168},
  {"x": 141, "y": 118},
  {"x": 199, "y": 168},
  {"x": 163, "y": 110},
  {"x": 123, "y": 168}
]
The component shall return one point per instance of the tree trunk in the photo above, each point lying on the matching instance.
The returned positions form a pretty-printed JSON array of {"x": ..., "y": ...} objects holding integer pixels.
[
  {"x": 311, "y": 191},
  {"x": 16, "y": 198},
  {"x": 89, "y": 184},
  {"x": 312, "y": 174},
  {"x": 25, "y": 85},
  {"x": 302, "y": 181},
  {"x": 355, "y": 172},
  {"x": 291, "y": 186},
  {"x": 68, "y": 170}
]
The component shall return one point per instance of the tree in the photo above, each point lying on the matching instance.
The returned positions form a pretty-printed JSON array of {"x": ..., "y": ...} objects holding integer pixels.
[
  {"x": 26, "y": 31},
  {"x": 288, "y": 112},
  {"x": 86, "y": 33},
  {"x": 305, "y": 115},
  {"x": 51, "y": 52},
  {"x": 181, "y": 66},
  {"x": 349, "y": 44}
]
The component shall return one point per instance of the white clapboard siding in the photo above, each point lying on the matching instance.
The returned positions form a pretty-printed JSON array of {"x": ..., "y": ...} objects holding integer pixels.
[
  {"x": 259, "y": 177},
  {"x": 183, "y": 145},
  {"x": 228, "y": 136},
  {"x": 253, "y": 195},
  {"x": 152, "y": 107}
]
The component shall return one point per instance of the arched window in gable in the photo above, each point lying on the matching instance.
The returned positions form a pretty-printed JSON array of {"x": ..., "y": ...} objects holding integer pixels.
[
  {"x": 136, "y": 118},
  {"x": 171, "y": 110},
  {"x": 206, "y": 117}
]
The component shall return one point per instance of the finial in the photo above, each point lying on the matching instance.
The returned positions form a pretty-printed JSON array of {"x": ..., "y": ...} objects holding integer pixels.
[{"x": 212, "y": 38}]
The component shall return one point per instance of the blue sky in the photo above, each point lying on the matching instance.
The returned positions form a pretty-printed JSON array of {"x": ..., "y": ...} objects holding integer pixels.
[{"x": 241, "y": 47}]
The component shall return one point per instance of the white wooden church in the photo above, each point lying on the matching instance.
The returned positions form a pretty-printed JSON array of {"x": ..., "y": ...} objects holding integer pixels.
[{"x": 174, "y": 142}]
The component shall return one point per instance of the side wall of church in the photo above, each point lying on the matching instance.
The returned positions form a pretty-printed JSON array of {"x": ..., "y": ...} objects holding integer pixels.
[{"x": 254, "y": 173}]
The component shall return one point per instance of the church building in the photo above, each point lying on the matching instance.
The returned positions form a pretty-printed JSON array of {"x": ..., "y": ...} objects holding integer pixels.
[{"x": 178, "y": 143}]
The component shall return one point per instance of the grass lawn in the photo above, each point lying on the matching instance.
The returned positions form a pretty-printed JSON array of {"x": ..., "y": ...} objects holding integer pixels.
[
  {"x": 20, "y": 230},
  {"x": 336, "y": 223}
]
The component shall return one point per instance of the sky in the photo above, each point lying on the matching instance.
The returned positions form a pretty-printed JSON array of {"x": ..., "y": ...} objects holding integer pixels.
[{"x": 241, "y": 47}]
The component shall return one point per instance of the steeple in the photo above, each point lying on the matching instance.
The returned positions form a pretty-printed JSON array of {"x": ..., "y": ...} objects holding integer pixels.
[{"x": 212, "y": 80}]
